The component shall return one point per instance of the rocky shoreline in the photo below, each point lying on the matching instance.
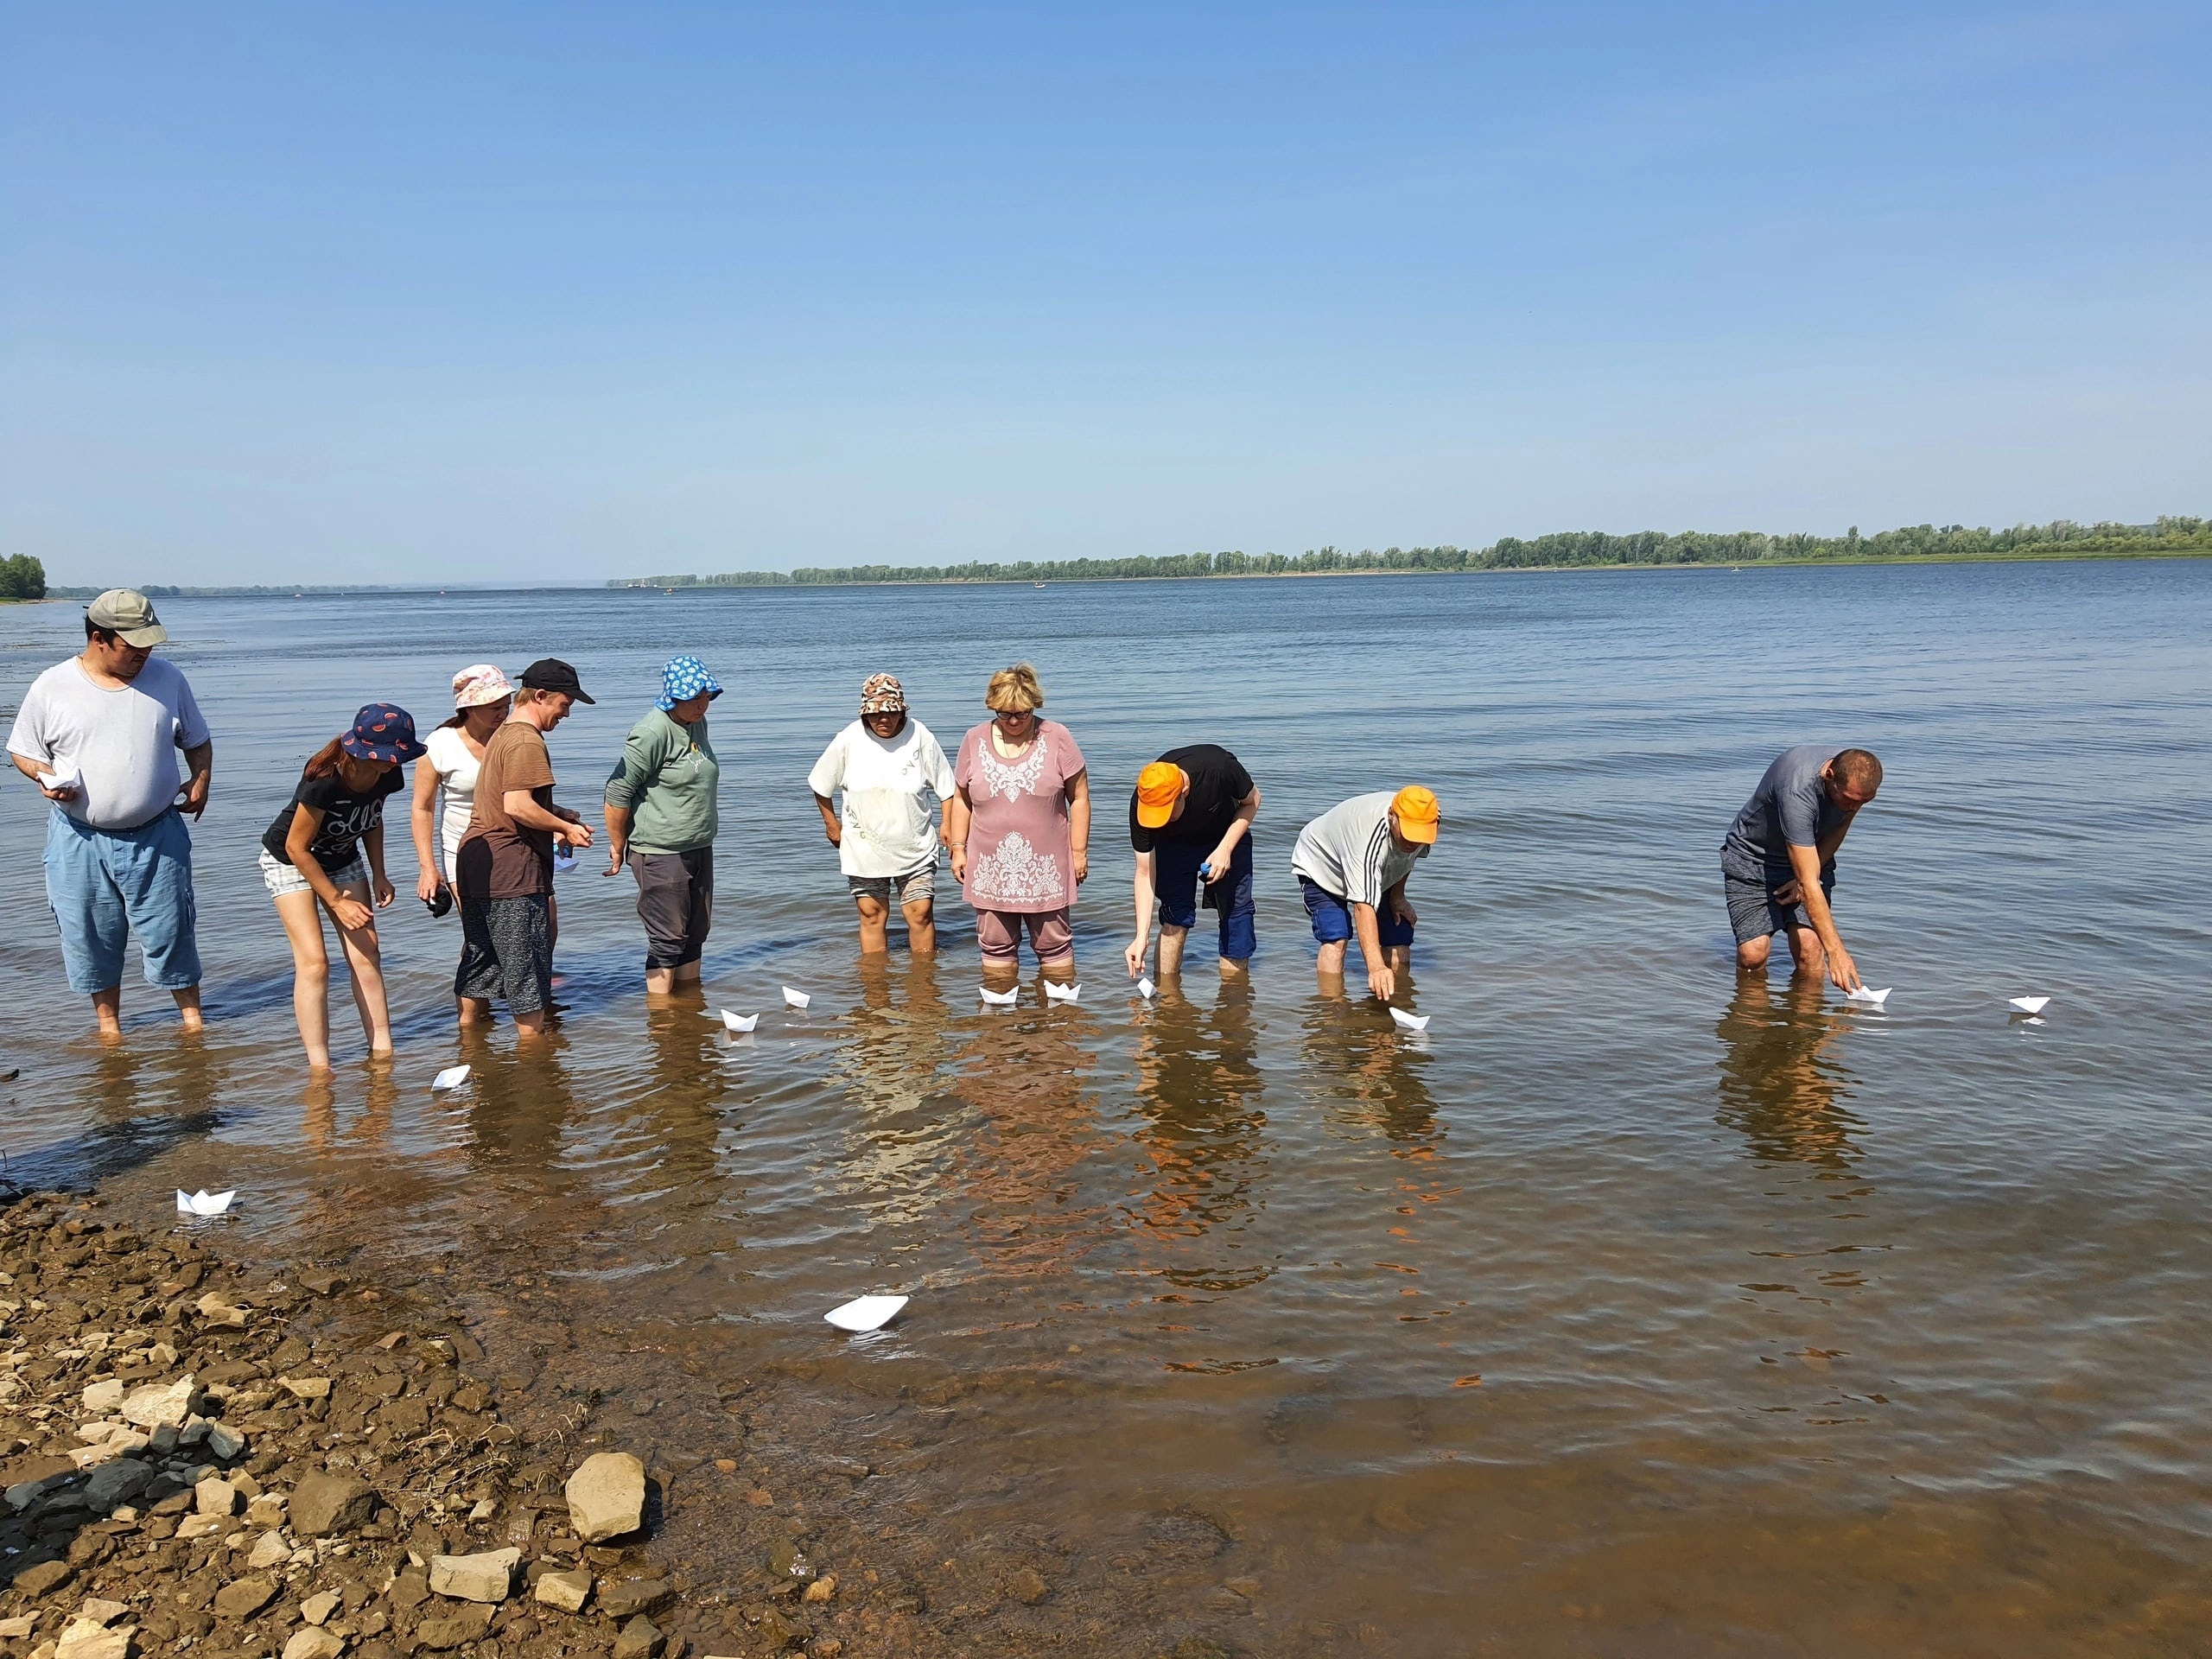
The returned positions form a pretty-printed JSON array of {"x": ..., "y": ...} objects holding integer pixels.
[
  {"x": 208, "y": 1454},
  {"x": 201, "y": 1458}
]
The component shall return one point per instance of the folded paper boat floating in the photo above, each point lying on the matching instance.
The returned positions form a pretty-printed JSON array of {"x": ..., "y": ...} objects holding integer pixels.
[
  {"x": 866, "y": 1312},
  {"x": 1056, "y": 992},
  {"x": 795, "y": 999},
  {"x": 203, "y": 1203},
  {"x": 739, "y": 1021},
  {"x": 999, "y": 999},
  {"x": 2029, "y": 1004},
  {"x": 1871, "y": 999},
  {"x": 1405, "y": 1021},
  {"x": 1145, "y": 989},
  {"x": 452, "y": 1078}
]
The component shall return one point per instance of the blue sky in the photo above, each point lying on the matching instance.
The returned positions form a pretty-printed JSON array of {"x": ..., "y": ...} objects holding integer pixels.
[{"x": 487, "y": 292}]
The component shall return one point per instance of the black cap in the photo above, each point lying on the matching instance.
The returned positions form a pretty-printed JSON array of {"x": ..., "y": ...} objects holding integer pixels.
[{"x": 551, "y": 674}]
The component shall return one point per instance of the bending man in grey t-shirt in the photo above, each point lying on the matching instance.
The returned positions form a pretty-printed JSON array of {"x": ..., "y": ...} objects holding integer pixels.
[{"x": 1778, "y": 864}]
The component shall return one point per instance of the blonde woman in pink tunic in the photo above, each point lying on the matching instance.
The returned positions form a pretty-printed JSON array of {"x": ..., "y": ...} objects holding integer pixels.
[{"x": 1019, "y": 824}]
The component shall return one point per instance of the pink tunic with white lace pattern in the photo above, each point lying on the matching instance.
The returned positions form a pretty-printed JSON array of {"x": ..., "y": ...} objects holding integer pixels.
[{"x": 1019, "y": 846}]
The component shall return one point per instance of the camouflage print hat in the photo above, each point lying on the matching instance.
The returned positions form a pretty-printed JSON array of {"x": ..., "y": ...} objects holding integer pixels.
[{"x": 882, "y": 695}]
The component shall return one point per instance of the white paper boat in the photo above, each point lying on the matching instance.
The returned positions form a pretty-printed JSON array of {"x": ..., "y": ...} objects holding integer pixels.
[
  {"x": 999, "y": 999},
  {"x": 1056, "y": 992},
  {"x": 1409, "y": 1022},
  {"x": 1873, "y": 999},
  {"x": 2029, "y": 1004},
  {"x": 739, "y": 1021},
  {"x": 795, "y": 999},
  {"x": 866, "y": 1312},
  {"x": 203, "y": 1203},
  {"x": 452, "y": 1078},
  {"x": 67, "y": 775},
  {"x": 1145, "y": 988}
]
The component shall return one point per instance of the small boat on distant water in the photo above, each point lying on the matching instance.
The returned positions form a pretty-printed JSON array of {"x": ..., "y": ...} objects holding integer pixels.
[{"x": 1040, "y": 584}]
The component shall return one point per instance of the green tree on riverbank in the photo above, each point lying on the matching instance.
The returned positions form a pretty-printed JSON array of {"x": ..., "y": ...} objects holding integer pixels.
[
  {"x": 2059, "y": 538},
  {"x": 22, "y": 576}
]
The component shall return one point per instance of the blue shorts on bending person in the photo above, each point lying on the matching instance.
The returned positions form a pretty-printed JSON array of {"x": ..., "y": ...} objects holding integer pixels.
[
  {"x": 1176, "y": 880},
  {"x": 1332, "y": 918}
]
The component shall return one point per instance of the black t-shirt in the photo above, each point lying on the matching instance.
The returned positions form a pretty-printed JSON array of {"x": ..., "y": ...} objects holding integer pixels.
[
  {"x": 1218, "y": 783},
  {"x": 346, "y": 819}
]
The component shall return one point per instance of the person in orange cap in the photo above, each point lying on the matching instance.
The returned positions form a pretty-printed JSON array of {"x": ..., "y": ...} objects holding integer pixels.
[
  {"x": 1351, "y": 863},
  {"x": 1191, "y": 822}
]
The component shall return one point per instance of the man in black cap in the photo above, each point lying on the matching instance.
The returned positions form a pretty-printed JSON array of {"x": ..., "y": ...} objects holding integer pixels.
[{"x": 503, "y": 870}]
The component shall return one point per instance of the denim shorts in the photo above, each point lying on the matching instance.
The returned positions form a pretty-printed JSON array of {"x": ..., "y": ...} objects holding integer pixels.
[
  {"x": 1175, "y": 877},
  {"x": 106, "y": 886},
  {"x": 281, "y": 877},
  {"x": 1333, "y": 918}
]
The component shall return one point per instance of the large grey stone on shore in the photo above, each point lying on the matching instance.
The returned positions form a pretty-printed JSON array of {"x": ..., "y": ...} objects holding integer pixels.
[
  {"x": 487, "y": 1576},
  {"x": 117, "y": 1482},
  {"x": 607, "y": 1495},
  {"x": 324, "y": 1503}
]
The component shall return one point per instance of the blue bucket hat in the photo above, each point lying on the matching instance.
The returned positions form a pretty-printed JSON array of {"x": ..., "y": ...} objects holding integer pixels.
[
  {"x": 685, "y": 679},
  {"x": 382, "y": 731}
]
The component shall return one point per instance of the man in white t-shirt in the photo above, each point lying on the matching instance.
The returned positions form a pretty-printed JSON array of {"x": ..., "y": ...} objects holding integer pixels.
[
  {"x": 888, "y": 766},
  {"x": 99, "y": 735},
  {"x": 1352, "y": 864}
]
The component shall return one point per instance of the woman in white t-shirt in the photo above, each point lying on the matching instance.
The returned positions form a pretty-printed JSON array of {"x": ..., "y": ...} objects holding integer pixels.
[
  {"x": 888, "y": 767},
  {"x": 481, "y": 698}
]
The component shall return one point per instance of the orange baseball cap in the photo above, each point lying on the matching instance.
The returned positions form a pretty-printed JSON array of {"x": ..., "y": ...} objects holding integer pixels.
[
  {"x": 1158, "y": 785},
  {"x": 1419, "y": 815}
]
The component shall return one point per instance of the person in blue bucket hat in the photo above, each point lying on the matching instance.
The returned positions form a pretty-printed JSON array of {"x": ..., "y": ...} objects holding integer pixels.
[
  {"x": 325, "y": 852},
  {"x": 661, "y": 822}
]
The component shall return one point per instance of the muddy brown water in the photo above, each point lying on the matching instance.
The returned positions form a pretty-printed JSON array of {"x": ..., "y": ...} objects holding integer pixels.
[{"x": 1629, "y": 1310}]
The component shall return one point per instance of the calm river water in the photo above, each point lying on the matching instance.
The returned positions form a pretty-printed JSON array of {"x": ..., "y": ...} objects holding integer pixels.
[{"x": 1629, "y": 1310}]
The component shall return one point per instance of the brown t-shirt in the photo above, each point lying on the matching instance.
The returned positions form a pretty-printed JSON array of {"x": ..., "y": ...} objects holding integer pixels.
[{"x": 499, "y": 859}]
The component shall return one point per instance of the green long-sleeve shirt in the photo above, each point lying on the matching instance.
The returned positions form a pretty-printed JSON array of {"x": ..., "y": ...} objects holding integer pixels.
[{"x": 667, "y": 777}]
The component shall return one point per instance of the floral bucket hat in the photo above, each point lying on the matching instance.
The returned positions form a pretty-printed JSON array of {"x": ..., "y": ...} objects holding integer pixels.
[{"x": 685, "y": 679}]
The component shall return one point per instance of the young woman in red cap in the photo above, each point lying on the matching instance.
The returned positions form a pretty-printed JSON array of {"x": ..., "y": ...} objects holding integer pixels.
[{"x": 326, "y": 849}]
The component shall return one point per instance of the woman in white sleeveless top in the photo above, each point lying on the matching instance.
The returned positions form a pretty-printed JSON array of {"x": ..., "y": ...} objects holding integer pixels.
[{"x": 481, "y": 698}]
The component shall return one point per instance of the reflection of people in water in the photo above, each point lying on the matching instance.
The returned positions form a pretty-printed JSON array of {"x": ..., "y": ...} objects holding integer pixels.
[
  {"x": 1022, "y": 1074},
  {"x": 1782, "y": 1087},
  {"x": 1198, "y": 1088},
  {"x": 1370, "y": 1075},
  {"x": 892, "y": 1070}
]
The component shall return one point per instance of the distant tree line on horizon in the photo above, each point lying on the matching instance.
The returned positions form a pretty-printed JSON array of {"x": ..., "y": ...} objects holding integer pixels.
[
  {"x": 1566, "y": 549},
  {"x": 22, "y": 576}
]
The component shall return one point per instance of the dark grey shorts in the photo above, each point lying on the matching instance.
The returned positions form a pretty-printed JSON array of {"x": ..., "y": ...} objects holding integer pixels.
[
  {"x": 506, "y": 952},
  {"x": 1754, "y": 913},
  {"x": 675, "y": 901}
]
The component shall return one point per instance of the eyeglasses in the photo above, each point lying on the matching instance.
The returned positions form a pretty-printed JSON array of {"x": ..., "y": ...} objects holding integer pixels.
[{"x": 1012, "y": 713}]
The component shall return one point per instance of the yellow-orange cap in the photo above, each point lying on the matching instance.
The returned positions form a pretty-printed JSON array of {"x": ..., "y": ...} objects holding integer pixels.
[
  {"x": 1418, "y": 813},
  {"x": 1158, "y": 785}
]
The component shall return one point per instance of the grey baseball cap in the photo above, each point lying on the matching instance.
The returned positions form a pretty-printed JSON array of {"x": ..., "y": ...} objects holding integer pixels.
[{"x": 128, "y": 613}]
